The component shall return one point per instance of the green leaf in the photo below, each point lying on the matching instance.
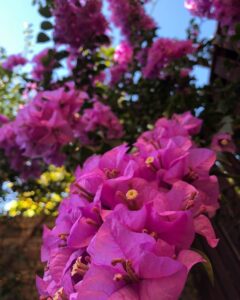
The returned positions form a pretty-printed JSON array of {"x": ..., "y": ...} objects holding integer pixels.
[
  {"x": 42, "y": 38},
  {"x": 236, "y": 37},
  {"x": 61, "y": 54},
  {"x": 46, "y": 25},
  {"x": 46, "y": 60},
  {"x": 237, "y": 28},
  {"x": 45, "y": 12}
]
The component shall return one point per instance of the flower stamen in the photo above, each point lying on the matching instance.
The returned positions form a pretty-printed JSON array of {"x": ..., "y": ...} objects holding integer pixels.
[
  {"x": 150, "y": 163},
  {"x": 224, "y": 142},
  {"x": 60, "y": 295},
  {"x": 190, "y": 202},
  {"x": 111, "y": 173},
  {"x": 149, "y": 160},
  {"x": 191, "y": 176},
  {"x": 131, "y": 195},
  {"x": 63, "y": 238},
  {"x": 90, "y": 221},
  {"x": 131, "y": 275},
  {"x": 118, "y": 277},
  {"x": 79, "y": 268},
  {"x": 130, "y": 198}
]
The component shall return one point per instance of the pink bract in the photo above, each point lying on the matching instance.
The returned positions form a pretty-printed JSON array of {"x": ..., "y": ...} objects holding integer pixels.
[
  {"x": 223, "y": 142},
  {"x": 130, "y": 16},
  {"x": 226, "y": 12},
  {"x": 79, "y": 22},
  {"x": 163, "y": 52},
  {"x": 13, "y": 61}
]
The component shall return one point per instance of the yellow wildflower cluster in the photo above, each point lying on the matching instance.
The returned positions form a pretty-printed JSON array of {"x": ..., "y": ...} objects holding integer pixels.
[{"x": 50, "y": 188}]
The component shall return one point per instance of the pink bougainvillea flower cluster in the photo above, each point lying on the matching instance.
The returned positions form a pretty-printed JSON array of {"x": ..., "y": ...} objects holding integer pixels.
[
  {"x": 226, "y": 12},
  {"x": 13, "y": 61},
  {"x": 131, "y": 18},
  {"x": 200, "y": 7},
  {"x": 54, "y": 119},
  {"x": 43, "y": 64},
  {"x": 127, "y": 226},
  {"x": 79, "y": 22},
  {"x": 15, "y": 154},
  {"x": 122, "y": 58},
  {"x": 47, "y": 123},
  {"x": 3, "y": 120},
  {"x": 100, "y": 117},
  {"x": 123, "y": 53},
  {"x": 163, "y": 52},
  {"x": 223, "y": 142}
]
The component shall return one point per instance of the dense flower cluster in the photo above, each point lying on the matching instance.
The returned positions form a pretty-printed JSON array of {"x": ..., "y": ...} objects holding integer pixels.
[
  {"x": 200, "y": 8},
  {"x": 100, "y": 117},
  {"x": 122, "y": 57},
  {"x": 126, "y": 228},
  {"x": 123, "y": 53},
  {"x": 50, "y": 121},
  {"x": 226, "y": 12},
  {"x": 13, "y": 61},
  {"x": 164, "y": 51},
  {"x": 131, "y": 18},
  {"x": 79, "y": 22},
  {"x": 18, "y": 161}
]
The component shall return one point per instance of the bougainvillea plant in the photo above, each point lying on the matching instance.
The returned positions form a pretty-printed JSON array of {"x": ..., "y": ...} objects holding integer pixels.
[
  {"x": 133, "y": 126},
  {"x": 227, "y": 12},
  {"x": 125, "y": 230}
]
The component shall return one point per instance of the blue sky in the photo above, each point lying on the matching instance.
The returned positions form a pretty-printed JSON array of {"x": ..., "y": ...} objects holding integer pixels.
[{"x": 170, "y": 15}]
